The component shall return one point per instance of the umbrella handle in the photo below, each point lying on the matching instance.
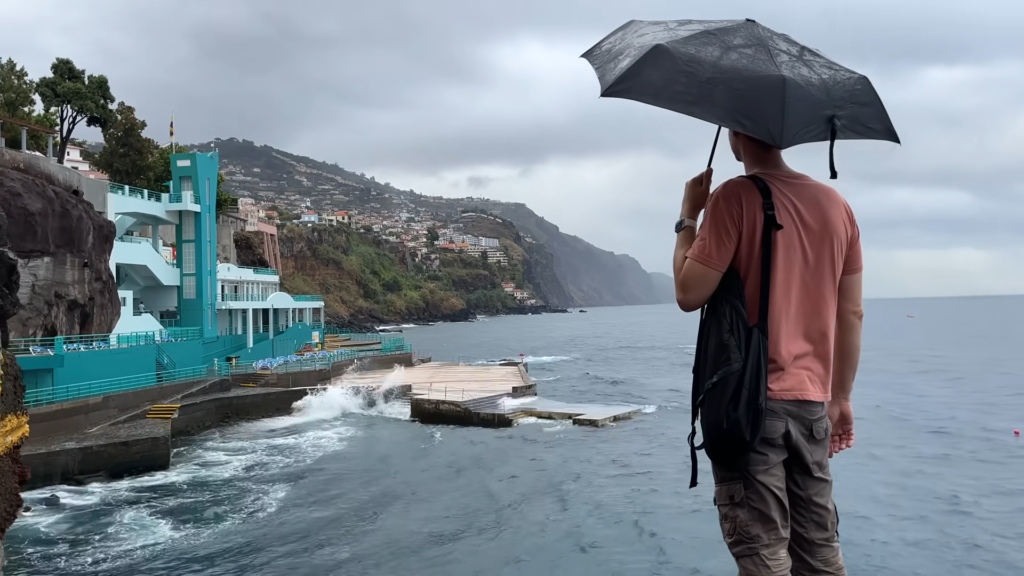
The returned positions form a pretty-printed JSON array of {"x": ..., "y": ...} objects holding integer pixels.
[{"x": 714, "y": 146}]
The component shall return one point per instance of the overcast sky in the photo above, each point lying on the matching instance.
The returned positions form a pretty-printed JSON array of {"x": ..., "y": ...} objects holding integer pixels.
[{"x": 485, "y": 98}]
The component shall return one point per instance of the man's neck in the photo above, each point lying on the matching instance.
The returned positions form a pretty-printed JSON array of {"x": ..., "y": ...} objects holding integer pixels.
[{"x": 765, "y": 164}]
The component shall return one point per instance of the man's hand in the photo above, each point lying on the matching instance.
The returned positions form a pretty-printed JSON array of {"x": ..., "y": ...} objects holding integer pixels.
[
  {"x": 840, "y": 413},
  {"x": 695, "y": 198}
]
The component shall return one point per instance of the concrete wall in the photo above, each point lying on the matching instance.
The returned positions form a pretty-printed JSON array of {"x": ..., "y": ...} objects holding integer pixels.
[
  {"x": 311, "y": 378},
  {"x": 113, "y": 460},
  {"x": 71, "y": 417},
  {"x": 95, "y": 191},
  {"x": 452, "y": 412},
  {"x": 197, "y": 417}
]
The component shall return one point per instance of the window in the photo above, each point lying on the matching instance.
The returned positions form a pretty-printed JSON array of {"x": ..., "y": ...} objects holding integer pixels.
[
  {"x": 188, "y": 226},
  {"x": 188, "y": 258},
  {"x": 186, "y": 184},
  {"x": 208, "y": 191},
  {"x": 188, "y": 287}
]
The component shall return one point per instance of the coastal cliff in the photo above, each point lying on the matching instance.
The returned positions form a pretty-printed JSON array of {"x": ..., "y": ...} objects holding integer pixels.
[
  {"x": 63, "y": 247},
  {"x": 13, "y": 419},
  {"x": 367, "y": 280}
]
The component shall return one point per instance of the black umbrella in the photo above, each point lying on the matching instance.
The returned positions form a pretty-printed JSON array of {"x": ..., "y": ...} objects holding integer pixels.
[{"x": 741, "y": 75}]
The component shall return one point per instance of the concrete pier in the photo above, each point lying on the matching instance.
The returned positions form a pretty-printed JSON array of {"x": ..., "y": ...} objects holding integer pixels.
[{"x": 489, "y": 396}]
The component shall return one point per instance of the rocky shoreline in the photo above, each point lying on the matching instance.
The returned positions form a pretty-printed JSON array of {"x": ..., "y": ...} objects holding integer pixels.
[{"x": 366, "y": 325}]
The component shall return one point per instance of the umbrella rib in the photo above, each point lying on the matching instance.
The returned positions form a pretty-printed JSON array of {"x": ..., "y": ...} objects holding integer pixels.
[{"x": 785, "y": 80}]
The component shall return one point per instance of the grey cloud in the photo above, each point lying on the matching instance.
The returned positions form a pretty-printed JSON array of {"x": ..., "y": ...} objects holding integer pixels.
[
  {"x": 422, "y": 89},
  {"x": 478, "y": 182}
]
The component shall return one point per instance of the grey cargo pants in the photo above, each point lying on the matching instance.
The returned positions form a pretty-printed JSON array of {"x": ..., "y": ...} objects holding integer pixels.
[{"x": 777, "y": 515}]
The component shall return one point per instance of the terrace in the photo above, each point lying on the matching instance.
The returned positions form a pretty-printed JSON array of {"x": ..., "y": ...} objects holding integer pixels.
[{"x": 49, "y": 346}]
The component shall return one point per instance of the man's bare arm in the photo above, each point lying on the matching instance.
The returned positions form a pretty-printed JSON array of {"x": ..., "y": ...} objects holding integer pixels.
[{"x": 849, "y": 324}]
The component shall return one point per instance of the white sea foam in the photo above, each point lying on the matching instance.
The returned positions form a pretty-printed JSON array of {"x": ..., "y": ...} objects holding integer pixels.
[
  {"x": 527, "y": 359},
  {"x": 649, "y": 408},
  {"x": 230, "y": 474},
  {"x": 509, "y": 402}
]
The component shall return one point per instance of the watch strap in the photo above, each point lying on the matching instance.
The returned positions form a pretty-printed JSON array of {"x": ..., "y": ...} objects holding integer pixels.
[{"x": 685, "y": 223}]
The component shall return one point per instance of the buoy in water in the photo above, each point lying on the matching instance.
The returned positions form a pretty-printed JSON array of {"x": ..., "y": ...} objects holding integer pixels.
[{"x": 1016, "y": 432}]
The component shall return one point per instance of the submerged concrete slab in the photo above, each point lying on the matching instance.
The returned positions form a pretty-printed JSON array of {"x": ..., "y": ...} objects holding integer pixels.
[{"x": 483, "y": 395}]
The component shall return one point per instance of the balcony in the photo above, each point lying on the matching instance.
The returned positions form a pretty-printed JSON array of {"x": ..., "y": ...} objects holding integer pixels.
[
  {"x": 308, "y": 298},
  {"x": 260, "y": 271},
  {"x": 134, "y": 192},
  {"x": 147, "y": 266},
  {"x": 277, "y": 300},
  {"x": 242, "y": 298},
  {"x": 92, "y": 342},
  {"x": 140, "y": 203}
]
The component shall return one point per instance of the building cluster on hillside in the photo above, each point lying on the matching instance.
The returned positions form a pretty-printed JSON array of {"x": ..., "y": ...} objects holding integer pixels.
[
  {"x": 523, "y": 297},
  {"x": 318, "y": 197}
]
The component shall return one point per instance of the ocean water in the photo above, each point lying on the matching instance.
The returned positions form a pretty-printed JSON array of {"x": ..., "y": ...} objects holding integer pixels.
[{"x": 934, "y": 485}]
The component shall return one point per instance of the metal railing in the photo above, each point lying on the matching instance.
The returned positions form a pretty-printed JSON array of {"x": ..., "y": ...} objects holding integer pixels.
[
  {"x": 66, "y": 393},
  {"x": 228, "y": 297},
  {"x": 134, "y": 192},
  {"x": 90, "y": 342},
  {"x": 179, "y": 198},
  {"x": 311, "y": 360},
  {"x": 164, "y": 359},
  {"x": 134, "y": 239},
  {"x": 263, "y": 271},
  {"x": 170, "y": 322},
  {"x": 69, "y": 392},
  {"x": 308, "y": 298}
]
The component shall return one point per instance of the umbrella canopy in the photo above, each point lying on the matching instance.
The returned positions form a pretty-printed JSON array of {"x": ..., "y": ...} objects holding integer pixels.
[{"x": 740, "y": 75}]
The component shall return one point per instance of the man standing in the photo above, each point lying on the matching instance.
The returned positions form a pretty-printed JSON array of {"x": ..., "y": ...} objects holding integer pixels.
[{"x": 777, "y": 514}]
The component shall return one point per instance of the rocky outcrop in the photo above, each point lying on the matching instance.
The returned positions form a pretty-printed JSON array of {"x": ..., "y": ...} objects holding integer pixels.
[
  {"x": 13, "y": 420},
  {"x": 249, "y": 250},
  {"x": 63, "y": 247}
]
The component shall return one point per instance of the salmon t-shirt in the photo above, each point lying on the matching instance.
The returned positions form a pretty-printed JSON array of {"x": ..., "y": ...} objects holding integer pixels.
[{"x": 819, "y": 243}]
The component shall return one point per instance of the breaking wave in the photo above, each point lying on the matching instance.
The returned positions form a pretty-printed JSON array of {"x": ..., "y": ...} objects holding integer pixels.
[{"x": 227, "y": 476}]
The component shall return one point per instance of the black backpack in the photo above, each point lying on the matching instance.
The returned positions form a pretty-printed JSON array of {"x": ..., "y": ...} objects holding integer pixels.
[{"x": 730, "y": 368}]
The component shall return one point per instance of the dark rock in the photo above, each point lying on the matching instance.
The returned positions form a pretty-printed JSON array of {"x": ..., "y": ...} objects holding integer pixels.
[
  {"x": 249, "y": 250},
  {"x": 26, "y": 509},
  {"x": 463, "y": 315},
  {"x": 50, "y": 501},
  {"x": 12, "y": 391},
  {"x": 54, "y": 233}
]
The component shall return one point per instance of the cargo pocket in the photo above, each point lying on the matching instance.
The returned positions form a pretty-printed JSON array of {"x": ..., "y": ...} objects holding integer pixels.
[
  {"x": 771, "y": 448},
  {"x": 734, "y": 518},
  {"x": 818, "y": 444}
]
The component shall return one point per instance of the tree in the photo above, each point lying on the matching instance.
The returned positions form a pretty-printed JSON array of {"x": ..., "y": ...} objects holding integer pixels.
[
  {"x": 432, "y": 237},
  {"x": 224, "y": 200},
  {"x": 76, "y": 97},
  {"x": 17, "y": 101},
  {"x": 160, "y": 167},
  {"x": 127, "y": 155}
]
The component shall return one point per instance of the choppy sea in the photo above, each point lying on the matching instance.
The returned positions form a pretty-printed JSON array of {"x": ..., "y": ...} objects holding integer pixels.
[{"x": 934, "y": 485}]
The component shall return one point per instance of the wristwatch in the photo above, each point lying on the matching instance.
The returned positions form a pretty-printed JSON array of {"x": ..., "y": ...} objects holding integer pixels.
[{"x": 683, "y": 223}]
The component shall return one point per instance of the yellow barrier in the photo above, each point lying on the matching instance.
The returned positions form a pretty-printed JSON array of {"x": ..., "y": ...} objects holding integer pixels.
[{"x": 13, "y": 427}]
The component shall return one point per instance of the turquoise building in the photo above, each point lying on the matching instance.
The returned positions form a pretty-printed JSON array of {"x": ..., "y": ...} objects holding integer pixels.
[{"x": 183, "y": 311}]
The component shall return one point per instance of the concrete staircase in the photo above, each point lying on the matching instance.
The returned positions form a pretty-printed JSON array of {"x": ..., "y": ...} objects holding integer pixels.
[
  {"x": 166, "y": 411},
  {"x": 254, "y": 380},
  {"x": 334, "y": 342}
]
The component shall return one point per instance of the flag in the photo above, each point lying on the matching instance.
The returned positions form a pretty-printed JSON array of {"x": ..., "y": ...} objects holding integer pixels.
[{"x": 172, "y": 127}]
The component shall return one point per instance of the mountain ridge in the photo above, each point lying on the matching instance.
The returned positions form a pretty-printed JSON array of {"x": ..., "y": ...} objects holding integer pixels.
[{"x": 590, "y": 276}]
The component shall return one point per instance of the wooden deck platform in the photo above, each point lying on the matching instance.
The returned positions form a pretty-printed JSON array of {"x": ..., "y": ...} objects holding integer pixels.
[{"x": 491, "y": 396}]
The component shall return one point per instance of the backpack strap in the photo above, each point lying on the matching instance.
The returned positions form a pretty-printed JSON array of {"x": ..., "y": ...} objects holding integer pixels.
[{"x": 771, "y": 224}]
